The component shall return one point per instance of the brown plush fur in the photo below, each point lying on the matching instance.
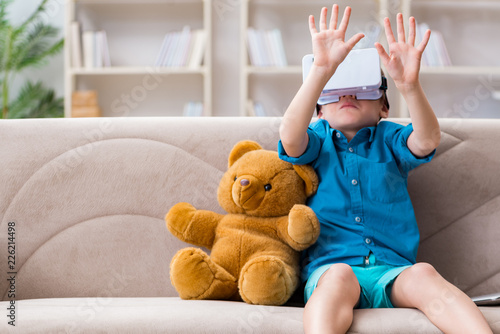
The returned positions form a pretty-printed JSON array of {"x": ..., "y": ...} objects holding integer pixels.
[{"x": 255, "y": 247}]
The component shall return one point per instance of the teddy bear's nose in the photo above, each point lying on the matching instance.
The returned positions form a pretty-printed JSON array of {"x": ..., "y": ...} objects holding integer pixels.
[{"x": 244, "y": 182}]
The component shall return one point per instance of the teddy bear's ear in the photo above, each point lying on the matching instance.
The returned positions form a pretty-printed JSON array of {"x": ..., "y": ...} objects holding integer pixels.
[
  {"x": 241, "y": 148},
  {"x": 309, "y": 176}
]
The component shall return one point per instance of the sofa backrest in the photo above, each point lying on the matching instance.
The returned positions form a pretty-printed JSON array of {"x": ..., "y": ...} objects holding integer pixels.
[{"x": 87, "y": 198}]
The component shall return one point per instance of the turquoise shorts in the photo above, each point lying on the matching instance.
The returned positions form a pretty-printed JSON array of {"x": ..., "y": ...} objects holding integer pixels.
[{"x": 375, "y": 279}]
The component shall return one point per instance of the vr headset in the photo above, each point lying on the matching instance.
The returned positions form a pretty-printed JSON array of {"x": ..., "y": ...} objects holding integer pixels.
[{"x": 359, "y": 75}]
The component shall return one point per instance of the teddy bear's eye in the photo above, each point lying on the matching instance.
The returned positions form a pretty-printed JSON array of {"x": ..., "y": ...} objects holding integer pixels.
[
  {"x": 267, "y": 187},
  {"x": 235, "y": 178}
]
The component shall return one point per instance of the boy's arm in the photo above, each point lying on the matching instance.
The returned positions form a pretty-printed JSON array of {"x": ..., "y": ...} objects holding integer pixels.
[
  {"x": 403, "y": 65},
  {"x": 293, "y": 128},
  {"x": 329, "y": 51},
  {"x": 426, "y": 133}
]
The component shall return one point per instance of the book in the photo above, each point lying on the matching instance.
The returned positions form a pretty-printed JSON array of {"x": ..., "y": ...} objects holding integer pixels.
[
  {"x": 88, "y": 42},
  {"x": 170, "y": 54},
  {"x": 193, "y": 109},
  {"x": 198, "y": 49},
  {"x": 76, "y": 45},
  {"x": 98, "y": 40},
  {"x": 272, "y": 45},
  {"x": 252, "y": 47},
  {"x": 255, "y": 109},
  {"x": 259, "y": 110},
  {"x": 179, "y": 55},
  {"x": 436, "y": 53},
  {"x": 84, "y": 104},
  {"x": 442, "y": 51},
  {"x": 163, "y": 50},
  {"x": 184, "y": 48},
  {"x": 265, "y": 47},
  {"x": 95, "y": 49},
  {"x": 280, "y": 46},
  {"x": 106, "y": 59}
]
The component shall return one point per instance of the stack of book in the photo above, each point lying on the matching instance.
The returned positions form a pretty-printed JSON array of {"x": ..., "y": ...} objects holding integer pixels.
[
  {"x": 84, "y": 104},
  {"x": 182, "y": 48},
  {"x": 255, "y": 109},
  {"x": 436, "y": 53},
  {"x": 89, "y": 49},
  {"x": 265, "y": 47},
  {"x": 193, "y": 109}
]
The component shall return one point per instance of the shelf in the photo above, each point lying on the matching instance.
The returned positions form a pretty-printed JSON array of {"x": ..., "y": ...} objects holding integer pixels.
[
  {"x": 136, "y": 29},
  {"x": 326, "y": 3},
  {"x": 455, "y": 4},
  {"x": 136, "y": 2},
  {"x": 135, "y": 32},
  {"x": 460, "y": 70},
  {"x": 274, "y": 70},
  {"x": 129, "y": 70},
  {"x": 274, "y": 87}
]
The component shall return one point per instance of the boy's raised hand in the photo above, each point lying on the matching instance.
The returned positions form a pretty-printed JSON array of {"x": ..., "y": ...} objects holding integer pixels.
[
  {"x": 329, "y": 46},
  {"x": 403, "y": 60}
]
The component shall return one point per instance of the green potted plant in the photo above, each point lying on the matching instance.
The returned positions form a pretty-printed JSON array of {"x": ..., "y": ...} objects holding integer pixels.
[{"x": 22, "y": 46}]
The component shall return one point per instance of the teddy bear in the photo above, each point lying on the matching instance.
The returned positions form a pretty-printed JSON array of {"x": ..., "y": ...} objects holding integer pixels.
[{"x": 255, "y": 247}]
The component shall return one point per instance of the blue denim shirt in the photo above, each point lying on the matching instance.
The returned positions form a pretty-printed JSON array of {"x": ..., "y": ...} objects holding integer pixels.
[{"x": 362, "y": 201}]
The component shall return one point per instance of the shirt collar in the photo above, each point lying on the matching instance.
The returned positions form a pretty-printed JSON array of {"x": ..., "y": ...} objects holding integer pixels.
[
  {"x": 372, "y": 130},
  {"x": 363, "y": 133}
]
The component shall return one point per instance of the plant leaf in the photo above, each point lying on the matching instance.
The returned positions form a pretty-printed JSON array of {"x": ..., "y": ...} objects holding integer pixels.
[
  {"x": 33, "y": 47},
  {"x": 28, "y": 44},
  {"x": 36, "y": 101},
  {"x": 3, "y": 12}
]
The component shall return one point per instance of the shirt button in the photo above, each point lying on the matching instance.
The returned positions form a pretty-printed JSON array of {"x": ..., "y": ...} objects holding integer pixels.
[
  {"x": 354, "y": 182},
  {"x": 338, "y": 134},
  {"x": 368, "y": 241},
  {"x": 351, "y": 149},
  {"x": 358, "y": 219}
]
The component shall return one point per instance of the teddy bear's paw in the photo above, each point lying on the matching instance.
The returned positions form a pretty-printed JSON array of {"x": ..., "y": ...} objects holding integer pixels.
[
  {"x": 303, "y": 226},
  {"x": 267, "y": 280},
  {"x": 195, "y": 276},
  {"x": 178, "y": 219}
]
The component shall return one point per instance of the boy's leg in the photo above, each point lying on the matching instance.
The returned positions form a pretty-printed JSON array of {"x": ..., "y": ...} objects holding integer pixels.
[
  {"x": 330, "y": 308},
  {"x": 451, "y": 310}
]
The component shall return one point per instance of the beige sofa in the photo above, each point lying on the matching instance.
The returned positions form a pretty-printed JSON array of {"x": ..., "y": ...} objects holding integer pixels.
[{"x": 85, "y": 200}]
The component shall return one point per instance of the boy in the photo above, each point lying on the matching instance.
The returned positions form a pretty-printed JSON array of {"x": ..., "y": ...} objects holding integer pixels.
[{"x": 366, "y": 253}]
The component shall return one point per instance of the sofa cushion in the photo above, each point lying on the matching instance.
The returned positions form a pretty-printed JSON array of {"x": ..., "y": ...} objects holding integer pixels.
[{"x": 173, "y": 315}]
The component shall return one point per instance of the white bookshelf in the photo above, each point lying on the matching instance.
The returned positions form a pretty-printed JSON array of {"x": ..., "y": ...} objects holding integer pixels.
[
  {"x": 470, "y": 30},
  {"x": 130, "y": 70},
  {"x": 467, "y": 89},
  {"x": 274, "y": 70},
  {"x": 135, "y": 29},
  {"x": 274, "y": 87}
]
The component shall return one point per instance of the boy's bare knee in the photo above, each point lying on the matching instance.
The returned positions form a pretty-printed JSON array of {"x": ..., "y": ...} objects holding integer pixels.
[
  {"x": 422, "y": 272},
  {"x": 330, "y": 308},
  {"x": 414, "y": 285},
  {"x": 340, "y": 285},
  {"x": 340, "y": 275}
]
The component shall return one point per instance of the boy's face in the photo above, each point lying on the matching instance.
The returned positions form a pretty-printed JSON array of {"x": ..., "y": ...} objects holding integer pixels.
[{"x": 349, "y": 114}]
